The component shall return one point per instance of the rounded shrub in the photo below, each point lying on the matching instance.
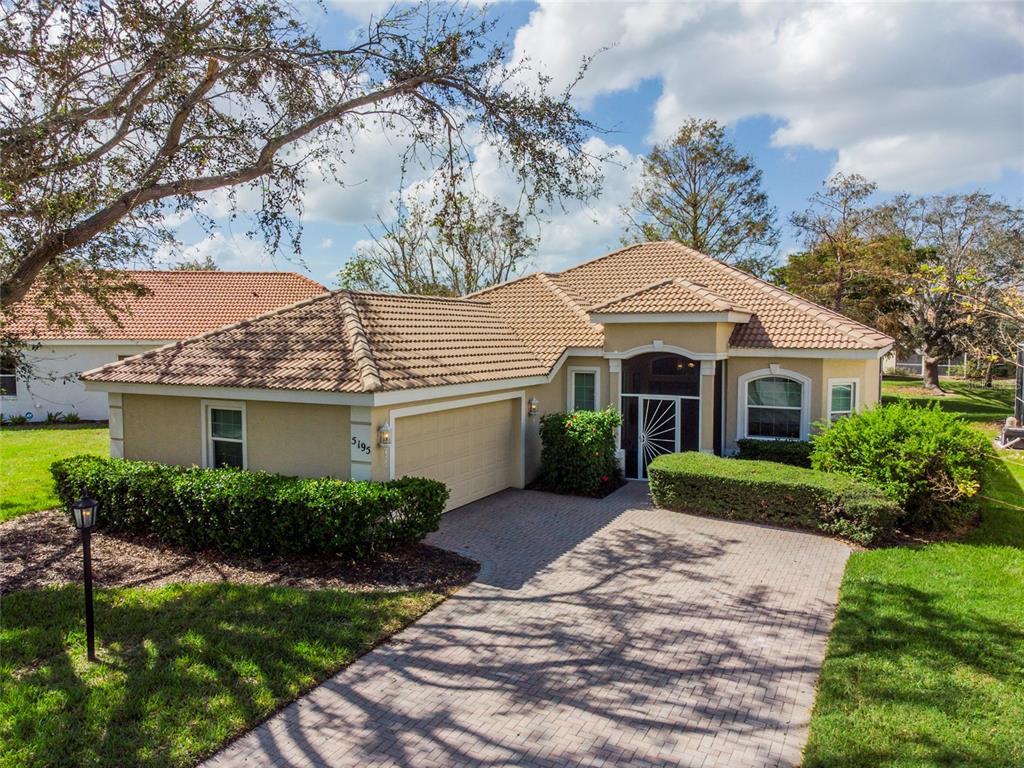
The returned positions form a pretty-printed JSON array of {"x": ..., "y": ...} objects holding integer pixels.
[
  {"x": 578, "y": 453},
  {"x": 928, "y": 461}
]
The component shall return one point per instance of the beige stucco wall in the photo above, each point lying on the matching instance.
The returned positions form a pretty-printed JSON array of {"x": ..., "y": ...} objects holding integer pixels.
[
  {"x": 298, "y": 439},
  {"x": 164, "y": 429},
  {"x": 701, "y": 338},
  {"x": 818, "y": 370},
  {"x": 290, "y": 438}
]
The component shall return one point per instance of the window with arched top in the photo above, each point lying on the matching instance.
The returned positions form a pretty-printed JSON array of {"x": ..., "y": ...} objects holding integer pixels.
[{"x": 775, "y": 408}]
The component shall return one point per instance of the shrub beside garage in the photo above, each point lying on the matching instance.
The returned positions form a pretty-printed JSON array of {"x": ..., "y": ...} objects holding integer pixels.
[
  {"x": 578, "y": 452},
  {"x": 769, "y": 492},
  {"x": 252, "y": 513}
]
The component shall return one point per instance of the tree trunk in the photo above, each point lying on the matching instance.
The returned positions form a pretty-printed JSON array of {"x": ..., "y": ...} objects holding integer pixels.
[
  {"x": 988, "y": 374},
  {"x": 930, "y": 372}
]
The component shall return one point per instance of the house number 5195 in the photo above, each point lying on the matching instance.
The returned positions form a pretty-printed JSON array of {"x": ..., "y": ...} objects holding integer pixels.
[{"x": 363, "y": 447}]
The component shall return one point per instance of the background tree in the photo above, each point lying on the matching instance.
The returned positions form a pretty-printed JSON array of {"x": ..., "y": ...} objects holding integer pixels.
[
  {"x": 852, "y": 264},
  {"x": 445, "y": 253},
  {"x": 204, "y": 264},
  {"x": 112, "y": 115},
  {"x": 697, "y": 189},
  {"x": 974, "y": 248}
]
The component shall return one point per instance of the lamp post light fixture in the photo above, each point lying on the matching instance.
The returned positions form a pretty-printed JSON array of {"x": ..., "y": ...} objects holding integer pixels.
[
  {"x": 85, "y": 518},
  {"x": 384, "y": 435},
  {"x": 532, "y": 406}
]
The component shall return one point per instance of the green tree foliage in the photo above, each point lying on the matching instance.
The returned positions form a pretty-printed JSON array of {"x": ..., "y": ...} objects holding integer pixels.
[
  {"x": 697, "y": 189},
  {"x": 965, "y": 293},
  {"x": 471, "y": 243},
  {"x": 204, "y": 264},
  {"x": 116, "y": 114},
  {"x": 850, "y": 264}
]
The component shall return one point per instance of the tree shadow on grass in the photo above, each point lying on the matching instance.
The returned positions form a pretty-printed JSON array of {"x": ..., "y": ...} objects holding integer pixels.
[
  {"x": 911, "y": 679},
  {"x": 182, "y": 668}
]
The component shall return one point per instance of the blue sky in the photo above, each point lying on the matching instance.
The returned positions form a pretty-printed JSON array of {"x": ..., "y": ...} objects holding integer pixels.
[{"x": 926, "y": 98}]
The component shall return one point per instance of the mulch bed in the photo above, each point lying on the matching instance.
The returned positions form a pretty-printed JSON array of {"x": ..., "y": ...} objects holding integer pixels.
[
  {"x": 606, "y": 490},
  {"x": 43, "y": 548}
]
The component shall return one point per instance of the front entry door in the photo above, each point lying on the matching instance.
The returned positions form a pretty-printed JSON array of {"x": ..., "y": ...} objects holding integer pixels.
[{"x": 650, "y": 428}]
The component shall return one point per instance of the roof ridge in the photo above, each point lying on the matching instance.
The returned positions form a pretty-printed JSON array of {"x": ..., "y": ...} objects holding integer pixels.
[
  {"x": 631, "y": 294},
  {"x": 831, "y": 318},
  {"x": 362, "y": 354},
  {"x": 616, "y": 252},
  {"x": 423, "y": 297},
  {"x": 564, "y": 297},
  {"x": 206, "y": 334}
]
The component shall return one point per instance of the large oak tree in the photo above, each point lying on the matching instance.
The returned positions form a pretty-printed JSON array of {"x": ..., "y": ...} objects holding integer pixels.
[{"x": 113, "y": 115}]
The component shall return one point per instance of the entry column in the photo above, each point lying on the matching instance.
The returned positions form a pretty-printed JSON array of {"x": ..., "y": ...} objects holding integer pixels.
[{"x": 707, "y": 406}]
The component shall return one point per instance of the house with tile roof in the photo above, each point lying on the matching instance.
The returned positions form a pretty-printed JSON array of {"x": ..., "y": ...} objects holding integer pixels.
[
  {"x": 176, "y": 305},
  {"x": 696, "y": 355}
]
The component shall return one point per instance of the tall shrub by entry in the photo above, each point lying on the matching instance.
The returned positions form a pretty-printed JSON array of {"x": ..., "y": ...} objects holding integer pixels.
[{"x": 578, "y": 453}]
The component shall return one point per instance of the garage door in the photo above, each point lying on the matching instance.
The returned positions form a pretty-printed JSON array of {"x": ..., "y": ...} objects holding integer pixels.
[{"x": 473, "y": 450}]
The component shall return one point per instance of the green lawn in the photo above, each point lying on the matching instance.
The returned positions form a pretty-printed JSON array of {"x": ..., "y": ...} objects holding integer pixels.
[
  {"x": 25, "y": 457},
  {"x": 925, "y": 664},
  {"x": 182, "y": 668}
]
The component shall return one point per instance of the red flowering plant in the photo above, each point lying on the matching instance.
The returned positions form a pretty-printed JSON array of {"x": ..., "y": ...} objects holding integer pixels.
[{"x": 578, "y": 454}]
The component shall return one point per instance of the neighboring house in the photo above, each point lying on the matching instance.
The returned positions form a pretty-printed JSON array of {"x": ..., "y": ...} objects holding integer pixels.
[
  {"x": 695, "y": 353},
  {"x": 179, "y": 305}
]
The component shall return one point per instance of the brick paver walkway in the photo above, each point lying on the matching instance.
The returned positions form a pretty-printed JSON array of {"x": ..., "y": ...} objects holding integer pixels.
[{"x": 598, "y": 633}]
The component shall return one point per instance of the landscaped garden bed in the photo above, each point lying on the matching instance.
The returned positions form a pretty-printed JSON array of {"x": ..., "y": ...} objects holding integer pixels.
[
  {"x": 221, "y": 596},
  {"x": 924, "y": 663},
  {"x": 43, "y": 549}
]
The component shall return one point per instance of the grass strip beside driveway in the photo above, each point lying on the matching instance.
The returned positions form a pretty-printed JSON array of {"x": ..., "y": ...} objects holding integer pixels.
[
  {"x": 183, "y": 668},
  {"x": 26, "y": 454},
  {"x": 925, "y": 665}
]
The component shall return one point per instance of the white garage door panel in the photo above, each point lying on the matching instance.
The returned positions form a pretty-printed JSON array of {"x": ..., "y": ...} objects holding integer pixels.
[{"x": 472, "y": 450}]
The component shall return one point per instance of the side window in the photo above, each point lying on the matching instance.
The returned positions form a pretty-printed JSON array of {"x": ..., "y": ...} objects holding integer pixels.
[
  {"x": 774, "y": 408},
  {"x": 226, "y": 437},
  {"x": 8, "y": 378},
  {"x": 584, "y": 391},
  {"x": 842, "y": 400}
]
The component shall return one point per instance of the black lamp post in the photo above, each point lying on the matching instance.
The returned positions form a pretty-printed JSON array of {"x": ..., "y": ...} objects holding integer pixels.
[{"x": 85, "y": 518}]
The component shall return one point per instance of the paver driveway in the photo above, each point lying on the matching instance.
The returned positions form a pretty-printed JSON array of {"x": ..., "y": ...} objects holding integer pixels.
[{"x": 597, "y": 633}]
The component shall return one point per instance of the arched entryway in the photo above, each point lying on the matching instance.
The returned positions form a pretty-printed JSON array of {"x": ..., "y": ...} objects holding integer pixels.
[{"x": 660, "y": 402}]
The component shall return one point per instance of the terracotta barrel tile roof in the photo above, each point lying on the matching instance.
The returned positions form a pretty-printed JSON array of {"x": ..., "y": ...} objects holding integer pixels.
[
  {"x": 366, "y": 342},
  {"x": 671, "y": 295},
  {"x": 342, "y": 342},
  {"x": 179, "y": 304}
]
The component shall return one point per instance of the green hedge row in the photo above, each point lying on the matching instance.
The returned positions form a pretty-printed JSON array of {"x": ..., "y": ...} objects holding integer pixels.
[
  {"x": 768, "y": 492},
  {"x": 795, "y": 452},
  {"x": 252, "y": 513}
]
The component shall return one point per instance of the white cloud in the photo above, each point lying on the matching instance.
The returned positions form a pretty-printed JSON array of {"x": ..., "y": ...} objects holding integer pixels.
[
  {"x": 916, "y": 96},
  {"x": 326, "y": 243}
]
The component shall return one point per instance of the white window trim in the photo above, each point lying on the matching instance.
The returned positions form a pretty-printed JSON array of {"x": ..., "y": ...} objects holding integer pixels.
[
  {"x": 856, "y": 395},
  {"x": 570, "y": 396},
  {"x": 205, "y": 423},
  {"x": 774, "y": 371}
]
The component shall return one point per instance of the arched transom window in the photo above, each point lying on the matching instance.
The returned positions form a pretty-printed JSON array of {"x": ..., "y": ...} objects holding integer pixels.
[{"x": 774, "y": 408}]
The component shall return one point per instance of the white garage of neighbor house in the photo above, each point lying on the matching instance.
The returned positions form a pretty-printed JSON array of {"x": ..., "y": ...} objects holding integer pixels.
[
  {"x": 177, "y": 305},
  {"x": 694, "y": 353}
]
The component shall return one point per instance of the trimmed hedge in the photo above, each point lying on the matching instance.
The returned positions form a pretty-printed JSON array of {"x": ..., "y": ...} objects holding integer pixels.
[
  {"x": 768, "y": 492},
  {"x": 578, "y": 453},
  {"x": 928, "y": 461},
  {"x": 794, "y": 452},
  {"x": 252, "y": 513}
]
